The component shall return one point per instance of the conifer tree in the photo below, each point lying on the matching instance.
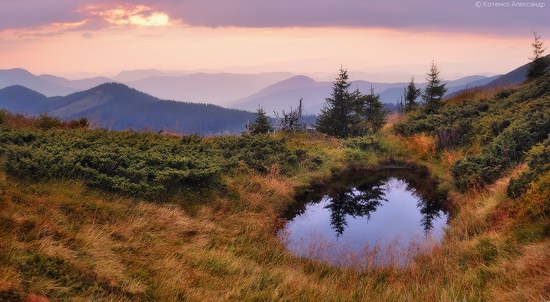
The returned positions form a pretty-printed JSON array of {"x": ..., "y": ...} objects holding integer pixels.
[
  {"x": 339, "y": 117},
  {"x": 374, "y": 113},
  {"x": 411, "y": 94},
  {"x": 261, "y": 125},
  {"x": 539, "y": 64},
  {"x": 435, "y": 90}
]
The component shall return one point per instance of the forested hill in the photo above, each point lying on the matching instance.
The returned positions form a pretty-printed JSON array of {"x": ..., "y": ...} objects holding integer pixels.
[{"x": 118, "y": 107}]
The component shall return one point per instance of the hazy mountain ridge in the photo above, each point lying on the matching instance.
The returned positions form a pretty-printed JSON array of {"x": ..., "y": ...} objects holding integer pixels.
[
  {"x": 196, "y": 87},
  {"x": 119, "y": 107},
  {"x": 393, "y": 95},
  {"x": 285, "y": 94},
  {"x": 215, "y": 88},
  {"x": 139, "y": 74},
  {"x": 82, "y": 84},
  {"x": 274, "y": 91},
  {"x": 18, "y": 76},
  {"x": 514, "y": 77}
]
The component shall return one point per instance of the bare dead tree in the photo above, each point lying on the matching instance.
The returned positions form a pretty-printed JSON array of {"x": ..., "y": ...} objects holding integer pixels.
[{"x": 291, "y": 121}]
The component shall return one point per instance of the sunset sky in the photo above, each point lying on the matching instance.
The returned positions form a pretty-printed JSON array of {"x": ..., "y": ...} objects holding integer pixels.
[{"x": 394, "y": 38}]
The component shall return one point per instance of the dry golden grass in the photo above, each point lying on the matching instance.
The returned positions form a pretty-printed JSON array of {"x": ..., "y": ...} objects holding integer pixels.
[
  {"x": 421, "y": 146},
  {"x": 528, "y": 278},
  {"x": 476, "y": 94},
  {"x": 450, "y": 157},
  {"x": 226, "y": 248},
  {"x": 392, "y": 119}
]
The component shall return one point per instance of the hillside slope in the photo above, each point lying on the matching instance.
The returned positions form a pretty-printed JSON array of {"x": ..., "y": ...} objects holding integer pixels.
[
  {"x": 514, "y": 77},
  {"x": 95, "y": 215},
  {"x": 118, "y": 107}
]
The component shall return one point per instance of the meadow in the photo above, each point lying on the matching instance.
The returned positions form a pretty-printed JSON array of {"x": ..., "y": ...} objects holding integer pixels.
[{"x": 124, "y": 216}]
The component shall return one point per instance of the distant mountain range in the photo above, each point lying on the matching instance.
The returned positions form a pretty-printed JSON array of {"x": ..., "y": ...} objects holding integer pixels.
[
  {"x": 285, "y": 94},
  {"x": 514, "y": 77},
  {"x": 43, "y": 85},
  {"x": 139, "y": 74},
  {"x": 119, "y": 107},
  {"x": 213, "y": 88},
  {"x": 274, "y": 91},
  {"x": 393, "y": 95}
]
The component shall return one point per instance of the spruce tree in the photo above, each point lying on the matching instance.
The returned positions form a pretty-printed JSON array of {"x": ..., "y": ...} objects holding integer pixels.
[
  {"x": 435, "y": 90},
  {"x": 374, "y": 113},
  {"x": 539, "y": 64},
  {"x": 261, "y": 125},
  {"x": 338, "y": 117},
  {"x": 411, "y": 94}
]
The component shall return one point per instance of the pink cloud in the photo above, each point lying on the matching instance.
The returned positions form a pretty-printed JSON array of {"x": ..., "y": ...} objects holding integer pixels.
[
  {"x": 139, "y": 15},
  {"x": 430, "y": 15}
]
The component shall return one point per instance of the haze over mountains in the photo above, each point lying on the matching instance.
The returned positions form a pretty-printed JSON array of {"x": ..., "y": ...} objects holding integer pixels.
[
  {"x": 286, "y": 94},
  {"x": 272, "y": 90},
  {"x": 119, "y": 106},
  {"x": 216, "y": 88}
]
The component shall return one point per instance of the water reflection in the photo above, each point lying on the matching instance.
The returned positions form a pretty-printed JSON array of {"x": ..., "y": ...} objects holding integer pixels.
[
  {"x": 357, "y": 210},
  {"x": 354, "y": 202}
]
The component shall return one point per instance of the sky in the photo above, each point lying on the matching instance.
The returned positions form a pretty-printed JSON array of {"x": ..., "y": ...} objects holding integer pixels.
[{"x": 385, "y": 39}]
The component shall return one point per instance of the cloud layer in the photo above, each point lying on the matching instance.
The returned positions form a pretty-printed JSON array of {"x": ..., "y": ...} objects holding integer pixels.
[{"x": 434, "y": 15}]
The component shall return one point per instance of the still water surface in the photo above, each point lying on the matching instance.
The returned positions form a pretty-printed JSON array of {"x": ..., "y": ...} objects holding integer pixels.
[{"x": 367, "y": 219}]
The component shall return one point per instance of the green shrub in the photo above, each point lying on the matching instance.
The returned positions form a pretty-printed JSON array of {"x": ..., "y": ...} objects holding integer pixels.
[
  {"x": 46, "y": 122},
  {"x": 259, "y": 152},
  {"x": 446, "y": 117},
  {"x": 363, "y": 143},
  {"x": 143, "y": 165},
  {"x": 506, "y": 127},
  {"x": 505, "y": 93},
  {"x": 80, "y": 123},
  {"x": 538, "y": 160},
  {"x": 136, "y": 164},
  {"x": 3, "y": 116},
  {"x": 506, "y": 150}
]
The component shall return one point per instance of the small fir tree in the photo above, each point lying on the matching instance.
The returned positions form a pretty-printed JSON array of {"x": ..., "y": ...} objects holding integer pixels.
[
  {"x": 374, "y": 113},
  {"x": 339, "y": 117},
  {"x": 411, "y": 95},
  {"x": 262, "y": 124},
  {"x": 539, "y": 64},
  {"x": 435, "y": 90}
]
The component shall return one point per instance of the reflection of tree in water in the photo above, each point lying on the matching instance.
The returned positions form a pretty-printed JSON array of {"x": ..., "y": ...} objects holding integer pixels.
[
  {"x": 430, "y": 211},
  {"x": 356, "y": 202},
  {"x": 429, "y": 199},
  {"x": 360, "y": 195}
]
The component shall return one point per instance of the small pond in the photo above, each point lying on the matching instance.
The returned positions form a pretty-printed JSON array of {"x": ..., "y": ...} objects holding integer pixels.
[{"x": 367, "y": 219}]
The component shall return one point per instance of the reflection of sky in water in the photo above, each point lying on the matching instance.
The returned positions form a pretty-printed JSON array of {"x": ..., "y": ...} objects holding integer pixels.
[{"x": 398, "y": 217}]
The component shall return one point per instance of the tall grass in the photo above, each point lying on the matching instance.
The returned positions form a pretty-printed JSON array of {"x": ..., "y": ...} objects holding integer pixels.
[
  {"x": 226, "y": 250},
  {"x": 61, "y": 240}
]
